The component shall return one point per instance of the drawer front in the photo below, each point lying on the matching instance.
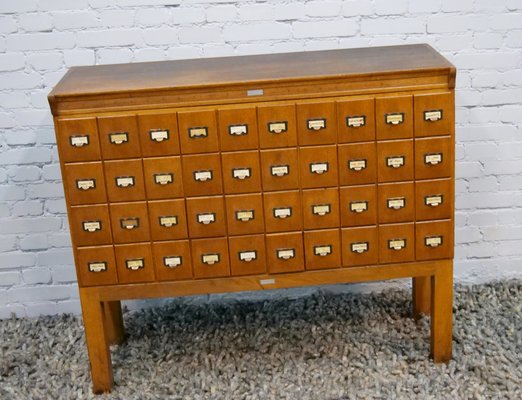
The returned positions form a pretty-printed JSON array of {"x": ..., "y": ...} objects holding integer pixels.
[
  {"x": 247, "y": 255},
  {"x": 434, "y": 114},
  {"x": 434, "y": 240},
  {"x": 124, "y": 180},
  {"x": 238, "y": 128},
  {"x": 279, "y": 169},
  {"x": 210, "y": 258},
  {"x": 78, "y": 139},
  {"x": 135, "y": 263},
  {"x": 434, "y": 158},
  {"x": 434, "y": 199},
  {"x": 198, "y": 132},
  {"x": 172, "y": 260},
  {"x": 360, "y": 246},
  {"x": 163, "y": 178},
  {"x": 394, "y": 116},
  {"x": 284, "y": 252},
  {"x": 318, "y": 166},
  {"x": 167, "y": 219},
  {"x": 396, "y": 243},
  {"x": 202, "y": 175},
  {"x": 358, "y": 205},
  {"x": 396, "y": 202},
  {"x": 245, "y": 214},
  {"x": 241, "y": 172},
  {"x": 96, "y": 266},
  {"x": 277, "y": 126},
  {"x": 159, "y": 134},
  {"x": 283, "y": 211},
  {"x": 395, "y": 161},
  {"x": 206, "y": 216},
  {"x": 356, "y": 120},
  {"x": 130, "y": 222},
  {"x": 119, "y": 137},
  {"x": 320, "y": 208},
  {"x": 85, "y": 183},
  {"x": 357, "y": 163},
  {"x": 91, "y": 225},
  {"x": 317, "y": 123},
  {"x": 322, "y": 249}
]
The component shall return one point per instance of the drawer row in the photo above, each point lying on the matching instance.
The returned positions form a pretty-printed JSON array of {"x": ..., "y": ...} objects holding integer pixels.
[
  {"x": 261, "y": 254},
  {"x": 293, "y": 210},
  {"x": 253, "y": 127},
  {"x": 256, "y": 171}
]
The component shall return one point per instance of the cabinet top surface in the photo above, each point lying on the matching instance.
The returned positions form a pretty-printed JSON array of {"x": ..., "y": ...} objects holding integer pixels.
[{"x": 370, "y": 61}]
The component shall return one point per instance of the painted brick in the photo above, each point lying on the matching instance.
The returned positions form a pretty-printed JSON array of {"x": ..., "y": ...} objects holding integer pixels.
[
  {"x": 64, "y": 274},
  {"x": 399, "y": 25},
  {"x": 511, "y": 114},
  {"x": 256, "y": 31},
  {"x": 514, "y": 39},
  {"x": 55, "y": 206},
  {"x": 24, "y": 174},
  {"x": 9, "y": 278},
  {"x": 18, "y": 6},
  {"x": 506, "y": 22},
  {"x": 116, "y": 18},
  {"x": 35, "y": 22},
  {"x": 68, "y": 307},
  {"x": 256, "y": 12},
  {"x": 35, "y": 309},
  {"x": 27, "y": 208},
  {"x": 488, "y": 40},
  {"x": 385, "y": 7},
  {"x": 128, "y": 37},
  {"x": 16, "y": 259},
  {"x": 482, "y": 218},
  {"x": 29, "y": 225},
  {"x": 36, "y": 276},
  {"x": 52, "y": 172},
  {"x": 149, "y": 54},
  {"x": 324, "y": 29},
  {"x": 76, "y": 57},
  {"x": 153, "y": 16},
  {"x": 46, "y": 61},
  {"x": 425, "y": 6},
  {"x": 11, "y": 192},
  {"x": 20, "y": 80},
  {"x": 226, "y": 13},
  {"x": 6, "y": 120},
  {"x": 483, "y": 184},
  {"x": 200, "y": 35},
  {"x": 45, "y": 190},
  {"x": 41, "y": 41},
  {"x": 185, "y": 15},
  {"x": 160, "y": 36},
  {"x": 12, "y": 311},
  {"x": 59, "y": 239},
  {"x": 12, "y": 61},
  {"x": 55, "y": 257},
  {"x": 114, "y": 56},
  {"x": 76, "y": 20},
  {"x": 52, "y": 5},
  {"x": 34, "y": 242},
  {"x": 8, "y": 243},
  {"x": 461, "y": 5}
]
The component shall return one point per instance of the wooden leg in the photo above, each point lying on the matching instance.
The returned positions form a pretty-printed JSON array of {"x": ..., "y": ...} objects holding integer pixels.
[
  {"x": 421, "y": 291},
  {"x": 97, "y": 341},
  {"x": 114, "y": 322},
  {"x": 442, "y": 312}
]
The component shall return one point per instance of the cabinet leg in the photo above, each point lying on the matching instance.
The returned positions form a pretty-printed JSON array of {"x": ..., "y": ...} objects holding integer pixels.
[
  {"x": 421, "y": 292},
  {"x": 94, "y": 321},
  {"x": 114, "y": 322},
  {"x": 442, "y": 312}
]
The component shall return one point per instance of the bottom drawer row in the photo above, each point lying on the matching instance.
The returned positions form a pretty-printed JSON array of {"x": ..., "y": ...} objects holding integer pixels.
[{"x": 260, "y": 254}]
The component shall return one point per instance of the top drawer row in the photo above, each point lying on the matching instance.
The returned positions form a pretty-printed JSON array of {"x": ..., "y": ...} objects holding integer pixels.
[{"x": 250, "y": 127}]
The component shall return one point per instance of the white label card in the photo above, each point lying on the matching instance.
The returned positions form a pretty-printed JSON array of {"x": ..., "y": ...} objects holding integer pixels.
[
  {"x": 356, "y": 122},
  {"x": 245, "y": 215},
  {"x": 319, "y": 168},
  {"x": 395, "y": 118},
  {"x": 92, "y": 226},
  {"x": 136, "y": 264},
  {"x": 432, "y": 115},
  {"x": 434, "y": 200},
  {"x": 285, "y": 254},
  {"x": 163, "y": 179},
  {"x": 79, "y": 140},
  {"x": 316, "y": 124},
  {"x": 433, "y": 159},
  {"x": 395, "y": 162},
  {"x": 86, "y": 184},
  {"x": 125, "y": 181},
  {"x": 206, "y": 218},
  {"x": 322, "y": 251},
  {"x": 172, "y": 261},
  {"x": 210, "y": 259},
  {"x": 168, "y": 221},
  {"x": 238, "y": 130},
  {"x": 199, "y": 132},
  {"x": 97, "y": 266},
  {"x": 277, "y": 127},
  {"x": 203, "y": 176},
  {"x": 119, "y": 138},
  {"x": 321, "y": 209},
  {"x": 247, "y": 256},
  {"x": 241, "y": 173},
  {"x": 279, "y": 170},
  {"x": 396, "y": 244},
  {"x": 282, "y": 212},
  {"x": 357, "y": 165},
  {"x": 359, "y": 247},
  {"x": 358, "y": 206},
  {"x": 433, "y": 241},
  {"x": 397, "y": 203},
  {"x": 159, "y": 135}
]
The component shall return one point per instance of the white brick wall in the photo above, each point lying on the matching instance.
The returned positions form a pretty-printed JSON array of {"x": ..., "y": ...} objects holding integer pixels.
[{"x": 39, "y": 39}]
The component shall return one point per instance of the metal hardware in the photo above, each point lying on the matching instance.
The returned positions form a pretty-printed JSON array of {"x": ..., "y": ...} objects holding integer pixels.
[
  {"x": 86, "y": 184},
  {"x": 248, "y": 255},
  {"x": 163, "y": 179},
  {"x": 432, "y": 115},
  {"x": 118, "y": 137},
  {"x": 319, "y": 168},
  {"x": 357, "y": 165},
  {"x": 282, "y": 212},
  {"x": 130, "y": 223},
  {"x": 316, "y": 124},
  {"x": 433, "y": 200},
  {"x": 172, "y": 261},
  {"x": 360, "y": 247},
  {"x": 238, "y": 130},
  {"x": 97, "y": 266},
  {"x": 432, "y": 158},
  {"x": 323, "y": 250},
  {"x": 356, "y": 121},
  {"x": 277, "y": 127},
  {"x": 285, "y": 254},
  {"x": 210, "y": 259},
  {"x": 396, "y": 244},
  {"x": 395, "y": 161},
  {"x": 125, "y": 181},
  {"x": 135, "y": 264},
  {"x": 206, "y": 218},
  {"x": 245, "y": 215},
  {"x": 321, "y": 209},
  {"x": 394, "y": 118},
  {"x": 202, "y": 176},
  {"x": 198, "y": 132},
  {"x": 359, "y": 206},
  {"x": 168, "y": 221},
  {"x": 433, "y": 241},
  {"x": 396, "y": 203},
  {"x": 79, "y": 140},
  {"x": 91, "y": 226},
  {"x": 267, "y": 281},
  {"x": 255, "y": 92},
  {"x": 159, "y": 135},
  {"x": 279, "y": 170},
  {"x": 241, "y": 173}
]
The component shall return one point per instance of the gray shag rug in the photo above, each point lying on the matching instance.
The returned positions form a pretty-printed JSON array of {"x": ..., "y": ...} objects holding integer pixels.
[{"x": 323, "y": 346}]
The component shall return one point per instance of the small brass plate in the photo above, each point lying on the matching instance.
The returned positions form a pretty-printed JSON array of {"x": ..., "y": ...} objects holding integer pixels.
[
  {"x": 91, "y": 226},
  {"x": 319, "y": 168},
  {"x": 241, "y": 173},
  {"x": 238, "y": 130},
  {"x": 395, "y": 161},
  {"x": 210, "y": 259},
  {"x": 248, "y": 255},
  {"x": 79, "y": 140},
  {"x": 277, "y": 127},
  {"x": 283, "y": 212},
  {"x": 396, "y": 244},
  {"x": 285, "y": 254},
  {"x": 159, "y": 135},
  {"x": 432, "y": 115},
  {"x": 206, "y": 218},
  {"x": 86, "y": 184},
  {"x": 394, "y": 118},
  {"x": 433, "y": 159},
  {"x": 357, "y": 165},
  {"x": 198, "y": 132},
  {"x": 163, "y": 179},
  {"x": 202, "y": 176},
  {"x": 322, "y": 250},
  {"x": 245, "y": 215},
  {"x": 360, "y": 247},
  {"x": 135, "y": 264},
  {"x": 433, "y": 200},
  {"x": 396, "y": 203},
  {"x": 172, "y": 261},
  {"x": 279, "y": 170},
  {"x": 433, "y": 241},
  {"x": 358, "y": 206},
  {"x": 118, "y": 137},
  {"x": 168, "y": 221},
  {"x": 316, "y": 124},
  {"x": 97, "y": 266},
  {"x": 356, "y": 121}
]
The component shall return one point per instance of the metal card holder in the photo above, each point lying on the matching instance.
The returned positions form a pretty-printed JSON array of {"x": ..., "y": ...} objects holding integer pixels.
[
  {"x": 433, "y": 158},
  {"x": 159, "y": 135},
  {"x": 247, "y": 255},
  {"x": 163, "y": 178},
  {"x": 172, "y": 261},
  {"x": 97, "y": 266},
  {"x": 206, "y": 218},
  {"x": 433, "y": 241},
  {"x": 394, "y": 118},
  {"x": 321, "y": 209},
  {"x": 278, "y": 127},
  {"x": 396, "y": 203},
  {"x": 279, "y": 170},
  {"x": 119, "y": 137},
  {"x": 316, "y": 124},
  {"x": 125, "y": 181},
  {"x": 92, "y": 226},
  {"x": 168, "y": 221},
  {"x": 356, "y": 121},
  {"x": 357, "y": 165},
  {"x": 245, "y": 215},
  {"x": 285, "y": 254},
  {"x": 360, "y": 247},
  {"x": 319, "y": 167},
  {"x": 86, "y": 184},
  {"x": 434, "y": 200},
  {"x": 241, "y": 173},
  {"x": 135, "y": 264},
  {"x": 211, "y": 258},
  {"x": 238, "y": 130},
  {"x": 433, "y": 115},
  {"x": 130, "y": 223},
  {"x": 79, "y": 140},
  {"x": 282, "y": 212},
  {"x": 396, "y": 244},
  {"x": 323, "y": 250},
  {"x": 202, "y": 176},
  {"x": 359, "y": 206},
  {"x": 395, "y": 161},
  {"x": 198, "y": 132}
]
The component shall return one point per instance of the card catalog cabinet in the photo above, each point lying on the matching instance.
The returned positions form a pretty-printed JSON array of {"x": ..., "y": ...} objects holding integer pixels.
[{"x": 193, "y": 177}]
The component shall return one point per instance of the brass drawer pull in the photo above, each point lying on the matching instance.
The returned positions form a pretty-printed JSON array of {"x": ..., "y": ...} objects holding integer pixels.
[
  {"x": 125, "y": 181},
  {"x": 433, "y": 158},
  {"x": 118, "y": 137},
  {"x": 360, "y": 247},
  {"x": 321, "y": 209},
  {"x": 316, "y": 124},
  {"x": 97, "y": 266},
  {"x": 210, "y": 259},
  {"x": 206, "y": 218},
  {"x": 86, "y": 184},
  {"x": 79, "y": 140},
  {"x": 279, "y": 170},
  {"x": 434, "y": 200},
  {"x": 319, "y": 168},
  {"x": 135, "y": 264},
  {"x": 172, "y": 261},
  {"x": 396, "y": 244},
  {"x": 241, "y": 173},
  {"x": 395, "y": 161},
  {"x": 130, "y": 223},
  {"x": 359, "y": 206},
  {"x": 285, "y": 254},
  {"x": 238, "y": 130},
  {"x": 396, "y": 203},
  {"x": 203, "y": 176},
  {"x": 198, "y": 132},
  {"x": 245, "y": 215},
  {"x": 163, "y": 178},
  {"x": 277, "y": 127},
  {"x": 159, "y": 135},
  {"x": 91, "y": 226},
  {"x": 433, "y": 241},
  {"x": 357, "y": 165},
  {"x": 432, "y": 115},
  {"x": 247, "y": 255},
  {"x": 282, "y": 212},
  {"x": 356, "y": 121},
  {"x": 394, "y": 118},
  {"x": 323, "y": 250},
  {"x": 168, "y": 221}
]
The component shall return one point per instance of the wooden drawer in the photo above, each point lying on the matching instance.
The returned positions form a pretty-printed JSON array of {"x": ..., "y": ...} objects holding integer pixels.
[
  {"x": 320, "y": 208},
  {"x": 357, "y": 163},
  {"x": 238, "y": 128},
  {"x": 396, "y": 202},
  {"x": 202, "y": 174},
  {"x": 434, "y": 199},
  {"x": 91, "y": 225},
  {"x": 317, "y": 123},
  {"x": 434, "y": 240},
  {"x": 280, "y": 169},
  {"x": 206, "y": 216},
  {"x": 78, "y": 139},
  {"x": 318, "y": 166},
  {"x": 322, "y": 249},
  {"x": 247, "y": 255},
  {"x": 159, "y": 134},
  {"x": 358, "y": 205},
  {"x": 96, "y": 266},
  {"x": 356, "y": 120},
  {"x": 198, "y": 131},
  {"x": 167, "y": 219},
  {"x": 284, "y": 252},
  {"x": 241, "y": 172},
  {"x": 119, "y": 137},
  {"x": 245, "y": 214},
  {"x": 172, "y": 260},
  {"x": 360, "y": 246},
  {"x": 277, "y": 126},
  {"x": 434, "y": 158},
  {"x": 395, "y": 161},
  {"x": 163, "y": 178},
  {"x": 394, "y": 116},
  {"x": 434, "y": 114},
  {"x": 130, "y": 222},
  {"x": 283, "y": 211},
  {"x": 210, "y": 258},
  {"x": 85, "y": 183},
  {"x": 124, "y": 180},
  {"x": 396, "y": 243},
  {"x": 134, "y": 262}
]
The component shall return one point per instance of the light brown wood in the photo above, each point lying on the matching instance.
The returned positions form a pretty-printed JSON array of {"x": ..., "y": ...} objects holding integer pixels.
[
  {"x": 442, "y": 312},
  {"x": 114, "y": 322},
  {"x": 421, "y": 296}
]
